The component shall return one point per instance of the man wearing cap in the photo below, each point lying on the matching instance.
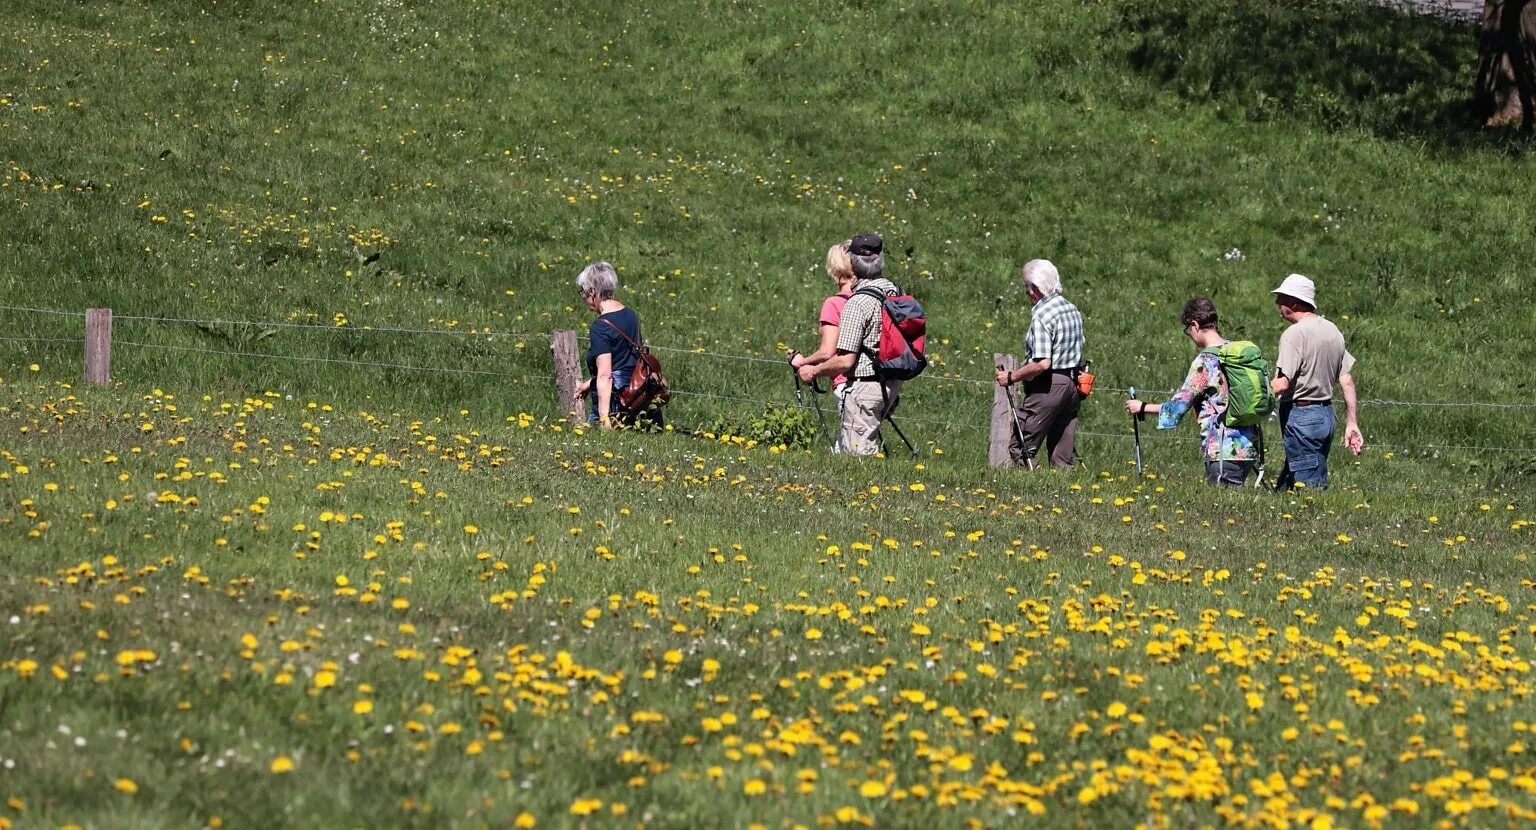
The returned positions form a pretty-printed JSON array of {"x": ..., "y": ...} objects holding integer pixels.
[
  {"x": 1048, "y": 409},
  {"x": 867, "y": 401},
  {"x": 1312, "y": 359}
]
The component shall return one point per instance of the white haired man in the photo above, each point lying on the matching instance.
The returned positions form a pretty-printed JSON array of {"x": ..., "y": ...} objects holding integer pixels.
[
  {"x": 1047, "y": 411},
  {"x": 867, "y": 400},
  {"x": 1312, "y": 359}
]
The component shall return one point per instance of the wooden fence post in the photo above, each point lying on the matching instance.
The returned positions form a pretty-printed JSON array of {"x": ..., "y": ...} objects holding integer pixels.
[
  {"x": 567, "y": 375},
  {"x": 98, "y": 346},
  {"x": 1002, "y": 416}
]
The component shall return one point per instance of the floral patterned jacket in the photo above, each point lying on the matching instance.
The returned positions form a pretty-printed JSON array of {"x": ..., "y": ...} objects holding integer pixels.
[{"x": 1205, "y": 388}]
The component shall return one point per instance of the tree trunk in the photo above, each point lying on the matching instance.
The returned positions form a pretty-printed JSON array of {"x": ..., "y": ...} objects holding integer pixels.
[{"x": 1506, "y": 65}]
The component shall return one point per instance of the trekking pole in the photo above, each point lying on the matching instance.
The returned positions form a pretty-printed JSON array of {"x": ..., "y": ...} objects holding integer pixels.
[
  {"x": 1136, "y": 431},
  {"x": 821, "y": 418},
  {"x": 1013, "y": 412},
  {"x": 892, "y": 421},
  {"x": 890, "y": 418}
]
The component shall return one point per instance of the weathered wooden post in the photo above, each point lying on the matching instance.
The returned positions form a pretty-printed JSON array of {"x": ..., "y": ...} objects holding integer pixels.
[
  {"x": 1002, "y": 417},
  {"x": 98, "y": 346},
  {"x": 567, "y": 375}
]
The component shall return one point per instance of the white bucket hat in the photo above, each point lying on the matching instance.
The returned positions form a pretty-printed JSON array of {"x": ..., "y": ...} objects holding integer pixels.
[{"x": 1299, "y": 287}]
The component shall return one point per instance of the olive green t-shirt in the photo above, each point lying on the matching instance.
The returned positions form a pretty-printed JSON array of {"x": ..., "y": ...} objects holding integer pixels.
[{"x": 1312, "y": 356}]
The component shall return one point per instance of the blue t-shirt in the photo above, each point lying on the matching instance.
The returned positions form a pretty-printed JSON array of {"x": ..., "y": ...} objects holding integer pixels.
[{"x": 604, "y": 340}]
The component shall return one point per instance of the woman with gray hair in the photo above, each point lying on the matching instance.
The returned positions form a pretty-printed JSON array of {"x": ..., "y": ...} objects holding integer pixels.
[{"x": 613, "y": 345}]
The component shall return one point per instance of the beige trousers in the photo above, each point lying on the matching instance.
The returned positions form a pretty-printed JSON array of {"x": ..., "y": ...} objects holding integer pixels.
[{"x": 864, "y": 407}]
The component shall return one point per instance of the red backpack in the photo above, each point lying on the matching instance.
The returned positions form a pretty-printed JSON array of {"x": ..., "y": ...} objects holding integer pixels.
[{"x": 903, "y": 330}]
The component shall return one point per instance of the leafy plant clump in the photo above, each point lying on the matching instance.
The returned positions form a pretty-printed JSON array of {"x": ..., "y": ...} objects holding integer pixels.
[{"x": 793, "y": 427}]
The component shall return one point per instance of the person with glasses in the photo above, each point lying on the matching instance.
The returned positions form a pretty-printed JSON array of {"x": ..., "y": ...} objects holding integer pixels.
[
  {"x": 613, "y": 346},
  {"x": 1231, "y": 452}
]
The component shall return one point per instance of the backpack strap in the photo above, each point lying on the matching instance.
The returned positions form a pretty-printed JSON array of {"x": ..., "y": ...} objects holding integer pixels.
[
  {"x": 874, "y": 355},
  {"x": 638, "y": 347}
]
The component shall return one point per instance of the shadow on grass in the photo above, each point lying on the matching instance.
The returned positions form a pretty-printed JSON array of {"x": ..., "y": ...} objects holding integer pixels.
[{"x": 1342, "y": 64}]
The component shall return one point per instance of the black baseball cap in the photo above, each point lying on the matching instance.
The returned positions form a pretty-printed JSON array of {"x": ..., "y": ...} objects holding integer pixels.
[{"x": 866, "y": 244}]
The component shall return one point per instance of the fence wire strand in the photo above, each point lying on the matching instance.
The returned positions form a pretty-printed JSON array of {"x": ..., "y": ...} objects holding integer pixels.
[
  {"x": 45, "y": 339},
  {"x": 1474, "y": 405},
  {"x": 304, "y": 359}
]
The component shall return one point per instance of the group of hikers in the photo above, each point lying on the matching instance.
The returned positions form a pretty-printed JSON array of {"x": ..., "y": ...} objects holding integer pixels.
[{"x": 871, "y": 342}]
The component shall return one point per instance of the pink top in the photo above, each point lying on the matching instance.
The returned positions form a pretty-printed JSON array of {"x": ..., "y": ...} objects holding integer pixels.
[{"x": 831, "y": 315}]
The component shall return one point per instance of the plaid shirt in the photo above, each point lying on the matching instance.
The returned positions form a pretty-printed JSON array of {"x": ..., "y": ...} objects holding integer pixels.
[
  {"x": 859, "y": 330},
  {"x": 1056, "y": 332}
]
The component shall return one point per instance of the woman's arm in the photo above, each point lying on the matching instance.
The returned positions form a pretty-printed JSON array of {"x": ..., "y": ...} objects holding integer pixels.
[
  {"x": 826, "y": 351},
  {"x": 1195, "y": 386},
  {"x": 604, "y": 385}
]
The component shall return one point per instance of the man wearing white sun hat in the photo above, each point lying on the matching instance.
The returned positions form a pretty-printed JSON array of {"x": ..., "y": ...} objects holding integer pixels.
[{"x": 1312, "y": 359}]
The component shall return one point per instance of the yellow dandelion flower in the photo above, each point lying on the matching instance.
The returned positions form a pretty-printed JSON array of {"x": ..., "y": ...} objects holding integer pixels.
[
  {"x": 281, "y": 764},
  {"x": 873, "y": 789},
  {"x": 125, "y": 785}
]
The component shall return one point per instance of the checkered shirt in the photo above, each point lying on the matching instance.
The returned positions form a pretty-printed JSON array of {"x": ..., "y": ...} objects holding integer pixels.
[
  {"x": 859, "y": 330},
  {"x": 1056, "y": 332}
]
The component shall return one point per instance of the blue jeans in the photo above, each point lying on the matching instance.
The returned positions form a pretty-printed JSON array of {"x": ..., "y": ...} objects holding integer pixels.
[
  {"x": 620, "y": 381},
  {"x": 1308, "y": 435}
]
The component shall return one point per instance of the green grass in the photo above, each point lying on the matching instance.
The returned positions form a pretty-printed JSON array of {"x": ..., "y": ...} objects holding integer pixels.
[
  {"x": 452, "y": 166},
  {"x": 1093, "y": 634},
  {"x": 449, "y": 167}
]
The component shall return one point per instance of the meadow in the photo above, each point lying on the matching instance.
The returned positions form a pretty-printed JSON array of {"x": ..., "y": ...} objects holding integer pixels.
[{"x": 324, "y": 555}]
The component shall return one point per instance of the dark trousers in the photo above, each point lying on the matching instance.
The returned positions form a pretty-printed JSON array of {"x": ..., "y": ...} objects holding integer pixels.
[
  {"x": 1047, "y": 415},
  {"x": 1228, "y": 473}
]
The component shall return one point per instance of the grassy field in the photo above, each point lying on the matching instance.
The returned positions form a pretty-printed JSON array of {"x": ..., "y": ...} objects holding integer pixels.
[{"x": 321, "y": 557}]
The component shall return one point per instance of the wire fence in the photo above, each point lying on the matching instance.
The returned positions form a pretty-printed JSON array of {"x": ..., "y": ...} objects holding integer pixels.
[{"x": 980, "y": 423}]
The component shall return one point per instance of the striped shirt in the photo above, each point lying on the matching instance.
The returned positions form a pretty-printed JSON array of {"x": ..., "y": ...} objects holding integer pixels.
[
  {"x": 859, "y": 330},
  {"x": 1056, "y": 332}
]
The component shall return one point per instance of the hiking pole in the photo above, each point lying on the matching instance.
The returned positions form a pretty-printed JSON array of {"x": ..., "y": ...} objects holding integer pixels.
[
  {"x": 1136, "y": 431},
  {"x": 821, "y": 418},
  {"x": 891, "y": 419},
  {"x": 1013, "y": 412}
]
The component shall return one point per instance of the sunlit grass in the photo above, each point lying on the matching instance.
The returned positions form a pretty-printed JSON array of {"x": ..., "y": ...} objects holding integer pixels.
[
  {"x": 278, "y": 610},
  {"x": 379, "y": 585}
]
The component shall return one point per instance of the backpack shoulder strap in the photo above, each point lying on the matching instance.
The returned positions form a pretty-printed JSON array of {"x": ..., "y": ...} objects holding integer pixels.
[{"x": 615, "y": 326}]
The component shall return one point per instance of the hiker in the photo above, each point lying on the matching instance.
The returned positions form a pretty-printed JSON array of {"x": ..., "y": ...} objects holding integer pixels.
[
  {"x": 867, "y": 400},
  {"x": 840, "y": 269},
  {"x": 613, "y": 346},
  {"x": 1312, "y": 358},
  {"x": 1047, "y": 412},
  {"x": 1232, "y": 450}
]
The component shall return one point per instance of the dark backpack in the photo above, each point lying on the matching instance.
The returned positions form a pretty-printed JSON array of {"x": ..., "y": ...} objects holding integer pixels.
[
  {"x": 647, "y": 388},
  {"x": 903, "y": 330}
]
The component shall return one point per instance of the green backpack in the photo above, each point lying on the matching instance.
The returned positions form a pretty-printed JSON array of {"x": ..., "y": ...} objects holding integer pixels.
[{"x": 1249, "y": 398}]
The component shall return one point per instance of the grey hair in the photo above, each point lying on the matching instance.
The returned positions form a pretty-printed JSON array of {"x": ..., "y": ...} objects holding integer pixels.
[
  {"x": 600, "y": 279},
  {"x": 867, "y": 266},
  {"x": 1041, "y": 275}
]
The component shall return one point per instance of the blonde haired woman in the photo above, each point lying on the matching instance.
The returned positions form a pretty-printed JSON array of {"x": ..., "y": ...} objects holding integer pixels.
[{"x": 840, "y": 269}]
